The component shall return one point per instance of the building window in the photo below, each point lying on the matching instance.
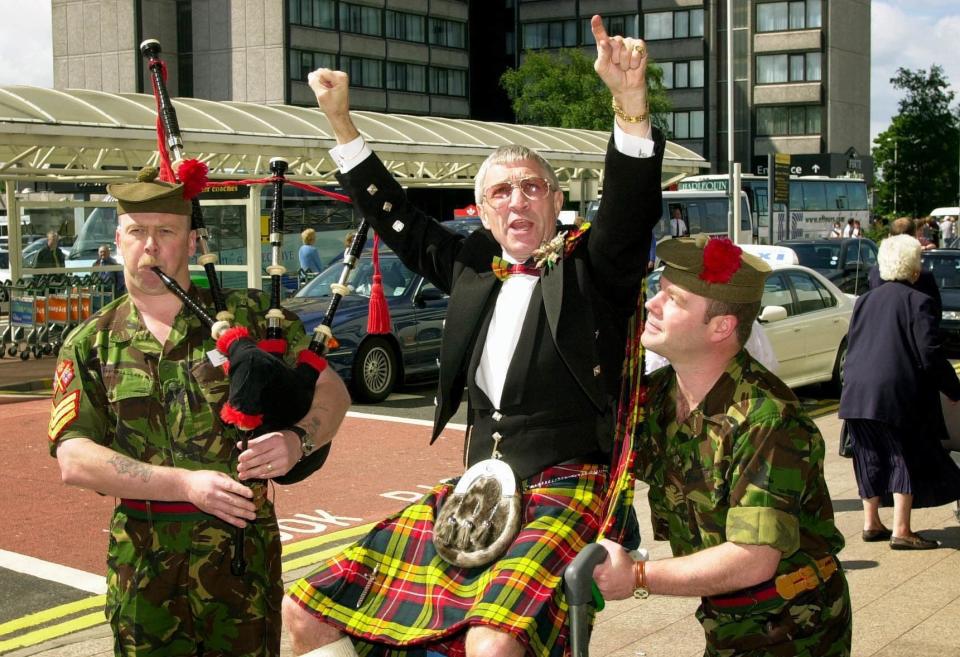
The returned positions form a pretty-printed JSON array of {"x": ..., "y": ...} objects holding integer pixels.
[
  {"x": 449, "y": 34},
  {"x": 793, "y": 15},
  {"x": 406, "y": 27},
  {"x": 555, "y": 34},
  {"x": 788, "y": 121},
  {"x": 448, "y": 81},
  {"x": 312, "y": 13},
  {"x": 360, "y": 19},
  {"x": 685, "y": 125},
  {"x": 363, "y": 72},
  {"x": 625, "y": 25},
  {"x": 801, "y": 67},
  {"x": 680, "y": 75},
  {"x": 303, "y": 62},
  {"x": 406, "y": 77},
  {"x": 673, "y": 24}
]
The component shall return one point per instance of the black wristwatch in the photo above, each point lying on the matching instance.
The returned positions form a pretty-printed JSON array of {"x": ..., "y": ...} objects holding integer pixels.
[{"x": 306, "y": 441}]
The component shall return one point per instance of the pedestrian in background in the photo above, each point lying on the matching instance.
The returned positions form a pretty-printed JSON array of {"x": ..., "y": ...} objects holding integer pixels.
[
  {"x": 309, "y": 256},
  {"x": 113, "y": 279},
  {"x": 893, "y": 375},
  {"x": 51, "y": 255},
  {"x": 947, "y": 230}
]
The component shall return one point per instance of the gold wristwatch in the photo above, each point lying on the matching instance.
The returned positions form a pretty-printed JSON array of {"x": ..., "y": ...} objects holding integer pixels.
[{"x": 306, "y": 441}]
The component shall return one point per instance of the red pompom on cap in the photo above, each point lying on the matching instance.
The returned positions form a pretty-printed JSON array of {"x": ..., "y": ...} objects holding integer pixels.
[
  {"x": 193, "y": 175},
  {"x": 721, "y": 260}
]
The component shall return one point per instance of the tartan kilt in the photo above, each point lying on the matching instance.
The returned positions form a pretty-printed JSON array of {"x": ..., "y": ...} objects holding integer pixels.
[{"x": 394, "y": 595}]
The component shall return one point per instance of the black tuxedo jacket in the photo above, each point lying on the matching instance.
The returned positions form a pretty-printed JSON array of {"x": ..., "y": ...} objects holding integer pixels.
[{"x": 588, "y": 297}]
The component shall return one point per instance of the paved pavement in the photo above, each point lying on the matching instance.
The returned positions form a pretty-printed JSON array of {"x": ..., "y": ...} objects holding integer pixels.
[{"x": 905, "y": 603}]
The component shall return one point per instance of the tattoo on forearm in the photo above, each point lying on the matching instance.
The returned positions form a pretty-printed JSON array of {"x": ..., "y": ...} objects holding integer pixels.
[{"x": 132, "y": 468}]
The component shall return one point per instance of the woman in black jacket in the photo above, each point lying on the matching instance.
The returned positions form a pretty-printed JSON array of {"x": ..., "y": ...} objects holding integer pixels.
[{"x": 893, "y": 375}]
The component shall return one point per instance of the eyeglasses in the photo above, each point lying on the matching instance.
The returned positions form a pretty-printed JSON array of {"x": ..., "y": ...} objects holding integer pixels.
[{"x": 534, "y": 188}]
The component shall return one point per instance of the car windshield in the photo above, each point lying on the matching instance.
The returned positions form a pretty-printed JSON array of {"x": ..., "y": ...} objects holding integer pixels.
[
  {"x": 98, "y": 229},
  {"x": 395, "y": 276},
  {"x": 945, "y": 269},
  {"x": 817, "y": 256}
]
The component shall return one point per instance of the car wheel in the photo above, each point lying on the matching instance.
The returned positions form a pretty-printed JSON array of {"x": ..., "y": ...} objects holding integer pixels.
[
  {"x": 837, "y": 381},
  {"x": 374, "y": 370}
]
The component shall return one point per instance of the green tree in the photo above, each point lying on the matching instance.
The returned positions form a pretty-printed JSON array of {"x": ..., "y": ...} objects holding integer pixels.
[
  {"x": 562, "y": 90},
  {"x": 918, "y": 153}
]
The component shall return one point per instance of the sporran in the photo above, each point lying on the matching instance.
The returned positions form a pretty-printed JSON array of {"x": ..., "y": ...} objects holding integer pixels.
[{"x": 481, "y": 518}]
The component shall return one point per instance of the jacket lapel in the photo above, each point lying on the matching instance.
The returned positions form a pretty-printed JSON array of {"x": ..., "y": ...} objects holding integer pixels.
[{"x": 569, "y": 317}]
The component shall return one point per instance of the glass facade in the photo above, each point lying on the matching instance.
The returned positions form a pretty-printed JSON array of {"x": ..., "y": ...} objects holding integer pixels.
[
  {"x": 799, "y": 67},
  {"x": 673, "y": 24},
  {"x": 405, "y": 27},
  {"x": 793, "y": 15},
  {"x": 406, "y": 77},
  {"x": 791, "y": 120},
  {"x": 553, "y": 34},
  {"x": 313, "y": 13},
  {"x": 681, "y": 75},
  {"x": 685, "y": 125}
]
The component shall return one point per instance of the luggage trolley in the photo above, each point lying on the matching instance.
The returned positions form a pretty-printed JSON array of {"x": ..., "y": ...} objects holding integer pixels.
[
  {"x": 28, "y": 317},
  {"x": 65, "y": 305}
]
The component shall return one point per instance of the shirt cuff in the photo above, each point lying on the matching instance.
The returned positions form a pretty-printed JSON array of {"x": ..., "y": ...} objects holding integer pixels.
[
  {"x": 757, "y": 525},
  {"x": 629, "y": 144},
  {"x": 347, "y": 156}
]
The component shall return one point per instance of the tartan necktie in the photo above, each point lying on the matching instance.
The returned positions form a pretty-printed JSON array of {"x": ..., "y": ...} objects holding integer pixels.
[{"x": 503, "y": 269}]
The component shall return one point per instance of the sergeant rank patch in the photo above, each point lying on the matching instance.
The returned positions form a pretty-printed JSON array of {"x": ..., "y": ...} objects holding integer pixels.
[{"x": 63, "y": 413}]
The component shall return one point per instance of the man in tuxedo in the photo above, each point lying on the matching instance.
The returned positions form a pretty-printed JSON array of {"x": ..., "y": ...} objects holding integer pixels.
[{"x": 536, "y": 332}]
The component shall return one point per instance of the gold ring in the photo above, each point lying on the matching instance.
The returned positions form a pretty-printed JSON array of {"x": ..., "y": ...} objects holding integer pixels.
[
  {"x": 269, "y": 467},
  {"x": 637, "y": 48}
]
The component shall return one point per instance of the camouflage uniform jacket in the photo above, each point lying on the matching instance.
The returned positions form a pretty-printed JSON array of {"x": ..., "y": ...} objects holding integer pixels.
[
  {"x": 746, "y": 466},
  {"x": 118, "y": 386}
]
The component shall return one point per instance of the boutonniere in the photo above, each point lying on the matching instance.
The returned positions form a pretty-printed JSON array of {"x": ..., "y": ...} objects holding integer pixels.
[{"x": 561, "y": 246}]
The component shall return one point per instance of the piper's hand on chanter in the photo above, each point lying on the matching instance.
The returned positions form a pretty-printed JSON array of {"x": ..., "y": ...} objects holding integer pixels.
[
  {"x": 270, "y": 455},
  {"x": 622, "y": 65},
  {"x": 218, "y": 494},
  {"x": 332, "y": 89}
]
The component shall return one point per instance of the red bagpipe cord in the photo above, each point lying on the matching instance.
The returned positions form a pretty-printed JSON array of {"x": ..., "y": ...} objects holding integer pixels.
[
  {"x": 166, "y": 169},
  {"x": 630, "y": 414}
]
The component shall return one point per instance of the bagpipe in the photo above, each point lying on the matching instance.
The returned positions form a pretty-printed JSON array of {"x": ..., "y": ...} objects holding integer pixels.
[{"x": 265, "y": 393}]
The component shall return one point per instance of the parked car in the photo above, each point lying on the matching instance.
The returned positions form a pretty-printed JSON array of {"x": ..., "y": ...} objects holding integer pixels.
[
  {"x": 844, "y": 262},
  {"x": 944, "y": 264},
  {"x": 804, "y": 315},
  {"x": 373, "y": 365}
]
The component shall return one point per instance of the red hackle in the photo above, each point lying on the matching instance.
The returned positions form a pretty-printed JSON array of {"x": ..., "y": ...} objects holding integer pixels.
[
  {"x": 378, "y": 318},
  {"x": 193, "y": 174},
  {"x": 721, "y": 260}
]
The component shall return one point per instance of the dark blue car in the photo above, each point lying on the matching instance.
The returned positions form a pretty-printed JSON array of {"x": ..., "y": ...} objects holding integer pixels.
[{"x": 373, "y": 364}]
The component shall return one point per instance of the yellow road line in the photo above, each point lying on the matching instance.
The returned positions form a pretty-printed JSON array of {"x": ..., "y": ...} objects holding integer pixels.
[
  {"x": 350, "y": 532},
  {"x": 52, "y": 614},
  {"x": 53, "y": 632}
]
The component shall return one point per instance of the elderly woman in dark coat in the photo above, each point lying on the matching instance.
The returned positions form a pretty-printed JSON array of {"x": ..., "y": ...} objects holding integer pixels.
[{"x": 894, "y": 372}]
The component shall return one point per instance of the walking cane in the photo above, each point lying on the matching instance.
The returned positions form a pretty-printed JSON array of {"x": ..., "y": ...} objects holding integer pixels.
[{"x": 581, "y": 591}]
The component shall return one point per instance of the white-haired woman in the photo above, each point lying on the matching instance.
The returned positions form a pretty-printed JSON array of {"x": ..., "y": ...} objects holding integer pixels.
[{"x": 894, "y": 372}]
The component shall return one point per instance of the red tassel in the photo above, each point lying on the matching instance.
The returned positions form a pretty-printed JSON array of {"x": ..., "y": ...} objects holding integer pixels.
[
  {"x": 239, "y": 419},
  {"x": 378, "y": 318}
]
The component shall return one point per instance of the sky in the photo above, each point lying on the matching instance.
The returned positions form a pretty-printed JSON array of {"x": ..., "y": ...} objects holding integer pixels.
[{"x": 913, "y": 34}]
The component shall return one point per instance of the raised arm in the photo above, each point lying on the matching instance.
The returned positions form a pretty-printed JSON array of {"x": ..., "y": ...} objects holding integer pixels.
[
  {"x": 332, "y": 89},
  {"x": 622, "y": 65}
]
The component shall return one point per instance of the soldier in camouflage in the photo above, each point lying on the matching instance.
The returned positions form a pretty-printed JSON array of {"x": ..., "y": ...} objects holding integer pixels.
[
  {"x": 735, "y": 469},
  {"x": 136, "y": 416}
]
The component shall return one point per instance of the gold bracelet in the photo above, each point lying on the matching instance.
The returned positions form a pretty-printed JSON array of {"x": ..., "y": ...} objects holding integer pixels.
[{"x": 618, "y": 111}]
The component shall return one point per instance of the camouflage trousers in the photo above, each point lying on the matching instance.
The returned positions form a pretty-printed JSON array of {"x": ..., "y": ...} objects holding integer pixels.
[
  {"x": 817, "y": 623},
  {"x": 170, "y": 591}
]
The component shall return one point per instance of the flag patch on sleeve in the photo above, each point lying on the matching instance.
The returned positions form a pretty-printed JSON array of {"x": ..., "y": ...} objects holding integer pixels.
[
  {"x": 63, "y": 413},
  {"x": 63, "y": 376}
]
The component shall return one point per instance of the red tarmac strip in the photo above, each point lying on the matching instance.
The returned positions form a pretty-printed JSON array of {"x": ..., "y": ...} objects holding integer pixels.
[{"x": 374, "y": 468}]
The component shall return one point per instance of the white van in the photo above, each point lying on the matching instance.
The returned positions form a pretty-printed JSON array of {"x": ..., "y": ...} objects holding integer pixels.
[{"x": 940, "y": 213}]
